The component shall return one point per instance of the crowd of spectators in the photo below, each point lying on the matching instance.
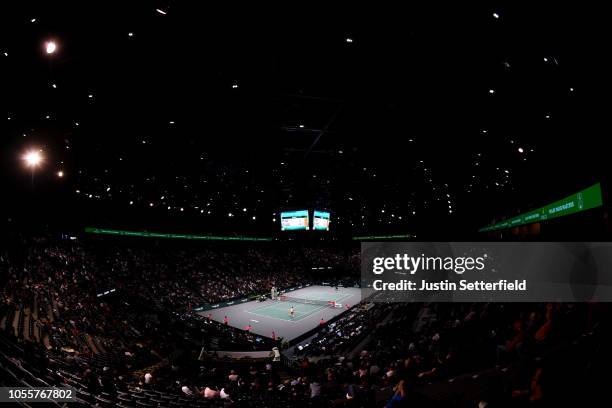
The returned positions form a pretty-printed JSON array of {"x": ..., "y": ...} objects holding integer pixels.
[
  {"x": 142, "y": 344},
  {"x": 522, "y": 351},
  {"x": 92, "y": 296}
]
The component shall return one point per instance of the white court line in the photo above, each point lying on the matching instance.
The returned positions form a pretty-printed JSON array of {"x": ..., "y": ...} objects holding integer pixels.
[
  {"x": 280, "y": 307},
  {"x": 275, "y": 318},
  {"x": 301, "y": 316}
]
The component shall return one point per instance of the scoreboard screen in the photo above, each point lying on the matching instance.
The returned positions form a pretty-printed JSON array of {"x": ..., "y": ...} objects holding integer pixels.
[
  {"x": 320, "y": 221},
  {"x": 294, "y": 220}
]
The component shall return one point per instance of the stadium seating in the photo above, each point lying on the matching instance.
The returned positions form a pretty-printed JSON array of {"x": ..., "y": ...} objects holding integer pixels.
[{"x": 133, "y": 350}]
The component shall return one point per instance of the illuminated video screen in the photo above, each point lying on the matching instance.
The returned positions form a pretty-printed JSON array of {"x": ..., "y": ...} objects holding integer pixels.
[
  {"x": 320, "y": 221},
  {"x": 294, "y": 220}
]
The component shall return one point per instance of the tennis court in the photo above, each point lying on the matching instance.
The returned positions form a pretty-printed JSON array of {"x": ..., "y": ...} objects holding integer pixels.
[{"x": 268, "y": 316}]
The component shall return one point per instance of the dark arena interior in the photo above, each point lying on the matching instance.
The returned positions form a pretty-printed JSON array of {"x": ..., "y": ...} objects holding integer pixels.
[{"x": 187, "y": 190}]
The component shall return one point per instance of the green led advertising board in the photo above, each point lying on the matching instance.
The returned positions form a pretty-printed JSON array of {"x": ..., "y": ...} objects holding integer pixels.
[
  {"x": 144, "y": 234},
  {"x": 581, "y": 201}
]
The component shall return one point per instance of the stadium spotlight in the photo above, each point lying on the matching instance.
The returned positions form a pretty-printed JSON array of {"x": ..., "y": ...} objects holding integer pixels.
[
  {"x": 50, "y": 47},
  {"x": 33, "y": 158}
]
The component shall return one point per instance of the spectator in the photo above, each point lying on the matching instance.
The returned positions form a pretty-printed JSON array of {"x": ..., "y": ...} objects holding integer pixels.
[{"x": 399, "y": 396}]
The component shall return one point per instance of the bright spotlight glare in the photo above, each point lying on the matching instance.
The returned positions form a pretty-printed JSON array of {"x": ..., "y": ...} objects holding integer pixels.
[
  {"x": 50, "y": 47},
  {"x": 33, "y": 158}
]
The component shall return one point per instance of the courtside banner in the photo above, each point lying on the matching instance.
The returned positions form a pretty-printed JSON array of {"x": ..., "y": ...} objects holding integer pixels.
[{"x": 487, "y": 272}]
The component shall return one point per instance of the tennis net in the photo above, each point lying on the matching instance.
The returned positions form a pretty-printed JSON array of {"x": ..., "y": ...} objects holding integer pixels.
[{"x": 285, "y": 298}]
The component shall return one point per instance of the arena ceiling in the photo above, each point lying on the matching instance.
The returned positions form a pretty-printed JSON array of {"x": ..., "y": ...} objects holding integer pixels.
[{"x": 180, "y": 115}]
